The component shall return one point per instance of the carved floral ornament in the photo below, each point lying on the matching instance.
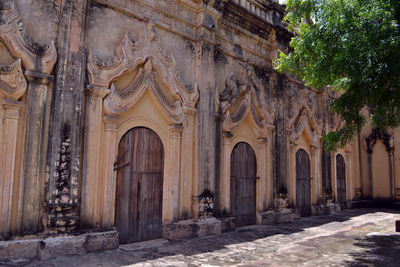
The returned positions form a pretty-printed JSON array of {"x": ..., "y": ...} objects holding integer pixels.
[
  {"x": 245, "y": 94},
  {"x": 154, "y": 70},
  {"x": 34, "y": 57}
]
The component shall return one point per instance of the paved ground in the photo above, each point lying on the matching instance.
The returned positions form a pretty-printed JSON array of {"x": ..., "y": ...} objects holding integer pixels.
[{"x": 349, "y": 238}]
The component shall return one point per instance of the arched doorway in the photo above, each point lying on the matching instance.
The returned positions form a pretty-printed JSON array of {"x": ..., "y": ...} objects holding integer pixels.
[
  {"x": 341, "y": 180},
  {"x": 140, "y": 168},
  {"x": 303, "y": 183},
  {"x": 243, "y": 184}
]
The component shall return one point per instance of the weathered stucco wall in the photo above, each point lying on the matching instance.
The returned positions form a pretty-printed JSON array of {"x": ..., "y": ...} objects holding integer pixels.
[{"x": 198, "y": 73}]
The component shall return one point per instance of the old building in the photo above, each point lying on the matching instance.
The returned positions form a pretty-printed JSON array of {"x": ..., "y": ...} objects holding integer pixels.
[{"x": 166, "y": 118}]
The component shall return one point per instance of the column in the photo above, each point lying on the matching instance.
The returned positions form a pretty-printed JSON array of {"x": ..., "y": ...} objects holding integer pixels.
[
  {"x": 314, "y": 175},
  {"x": 205, "y": 78},
  {"x": 67, "y": 121},
  {"x": 226, "y": 170},
  {"x": 173, "y": 170},
  {"x": 35, "y": 149},
  {"x": 349, "y": 176},
  {"x": 391, "y": 171},
  {"x": 188, "y": 140},
  {"x": 11, "y": 110},
  {"x": 396, "y": 163},
  {"x": 263, "y": 188},
  {"x": 270, "y": 171},
  {"x": 292, "y": 174},
  {"x": 92, "y": 149},
  {"x": 107, "y": 182}
]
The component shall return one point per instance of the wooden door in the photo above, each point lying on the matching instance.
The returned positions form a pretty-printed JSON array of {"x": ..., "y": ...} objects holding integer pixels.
[
  {"x": 303, "y": 183},
  {"x": 341, "y": 180},
  {"x": 140, "y": 168},
  {"x": 243, "y": 184}
]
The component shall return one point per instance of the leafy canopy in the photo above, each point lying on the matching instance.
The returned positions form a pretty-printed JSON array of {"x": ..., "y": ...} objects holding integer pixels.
[{"x": 352, "y": 46}]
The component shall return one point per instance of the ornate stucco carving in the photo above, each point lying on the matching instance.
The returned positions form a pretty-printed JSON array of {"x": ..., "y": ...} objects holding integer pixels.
[
  {"x": 302, "y": 99},
  {"x": 12, "y": 81},
  {"x": 118, "y": 102},
  {"x": 375, "y": 135},
  {"x": 303, "y": 125},
  {"x": 156, "y": 70},
  {"x": 12, "y": 34},
  {"x": 245, "y": 94}
]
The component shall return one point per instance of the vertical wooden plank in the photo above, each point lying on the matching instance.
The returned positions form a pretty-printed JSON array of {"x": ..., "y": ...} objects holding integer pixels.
[
  {"x": 243, "y": 184},
  {"x": 139, "y": 186},
  {"x": 303, "y": 183}
]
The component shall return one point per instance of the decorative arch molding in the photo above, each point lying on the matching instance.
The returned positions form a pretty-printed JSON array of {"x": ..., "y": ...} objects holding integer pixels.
[
  {"x": 375, "y": 135},
  {"x": 151, "y": 73},
  {"x": 29, "y": 73},
  {"x": 243, "y": 95},
  {"x": 387, "y": 141},
  {"x": 302, "y": 98},
  {"x": 12, "y": 33},
  {"x": 236, "y": 139},
  {"x": 304, "y": 123},
  {"x": 154, "y": 68},
  {"x": 13, "y": 84},
  {"x": 117, "y": 102},
  {"x": 143, "y": 122}
]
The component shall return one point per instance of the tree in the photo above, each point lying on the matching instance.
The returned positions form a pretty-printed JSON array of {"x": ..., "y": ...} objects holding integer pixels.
[{"x": 352, "y": 46}]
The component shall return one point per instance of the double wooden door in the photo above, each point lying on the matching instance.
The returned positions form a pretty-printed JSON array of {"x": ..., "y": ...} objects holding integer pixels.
[
  {"x": 139, "y": 193},
  {"x": 341, "y": 180},
  {"x": 303, "y": 183},
  {"x": 243, "y": 184}
]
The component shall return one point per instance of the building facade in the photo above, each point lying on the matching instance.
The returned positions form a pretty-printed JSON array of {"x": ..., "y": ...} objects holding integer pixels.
[{"x": 166, "y": 118}]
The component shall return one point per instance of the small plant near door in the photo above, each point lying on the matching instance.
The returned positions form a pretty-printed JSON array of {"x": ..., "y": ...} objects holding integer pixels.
[{"x": 206, "y": 203}]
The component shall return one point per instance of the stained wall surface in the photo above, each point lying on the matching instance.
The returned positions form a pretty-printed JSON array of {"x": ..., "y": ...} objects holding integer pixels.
[{"x": 77, "y": 75}]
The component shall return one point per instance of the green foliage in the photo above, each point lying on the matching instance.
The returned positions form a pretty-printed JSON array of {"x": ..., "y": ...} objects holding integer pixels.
[{"x": 352, "y": 46}]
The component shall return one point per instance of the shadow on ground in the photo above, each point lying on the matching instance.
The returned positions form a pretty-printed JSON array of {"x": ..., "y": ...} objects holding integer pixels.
[
  {"x": 379, "y": 250},
  {"x": 382, "y": 250}
]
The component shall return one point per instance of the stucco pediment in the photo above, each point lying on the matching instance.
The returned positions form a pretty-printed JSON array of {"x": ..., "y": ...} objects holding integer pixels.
[
  {"x": 244, "y": 94},
  {"x": 301, "y": 99},
  {"x": 12, "y": 33},
  {"x": 147, "y": 78},
  {"x": 302, "y": 125},
  {"x": 157, "y": 71},
  {"x": 12, "y": 81}
]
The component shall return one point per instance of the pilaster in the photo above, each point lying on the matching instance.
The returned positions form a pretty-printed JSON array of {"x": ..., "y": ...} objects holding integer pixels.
[
  {"x": 349, "y": 175},
  {"x": 187, "y": 163},
  {"x": 107, "y": 182},
  {"x": 206, "y": 20},
  {"x": 91, "y": 164},
  {"x": 173, "y": 168},
  {"x": 292, "y": 173},
  {"x": 11, "y": 109},
  {"x": 35, "y": 149},
  {"x": 314, "y": 175},
  {"x": 226, "y": 170},
  {"x": 263, "y": 185},
  {"x": 66, "y": 124}
]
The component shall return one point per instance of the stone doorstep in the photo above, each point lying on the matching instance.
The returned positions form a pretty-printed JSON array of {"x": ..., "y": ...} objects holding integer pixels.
[
  {"x": 53, "y": 247},
  {"x": 280, "y": 216},
  {"x": 325, "y": 209},
  {"x": 191, "y": 228}
]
